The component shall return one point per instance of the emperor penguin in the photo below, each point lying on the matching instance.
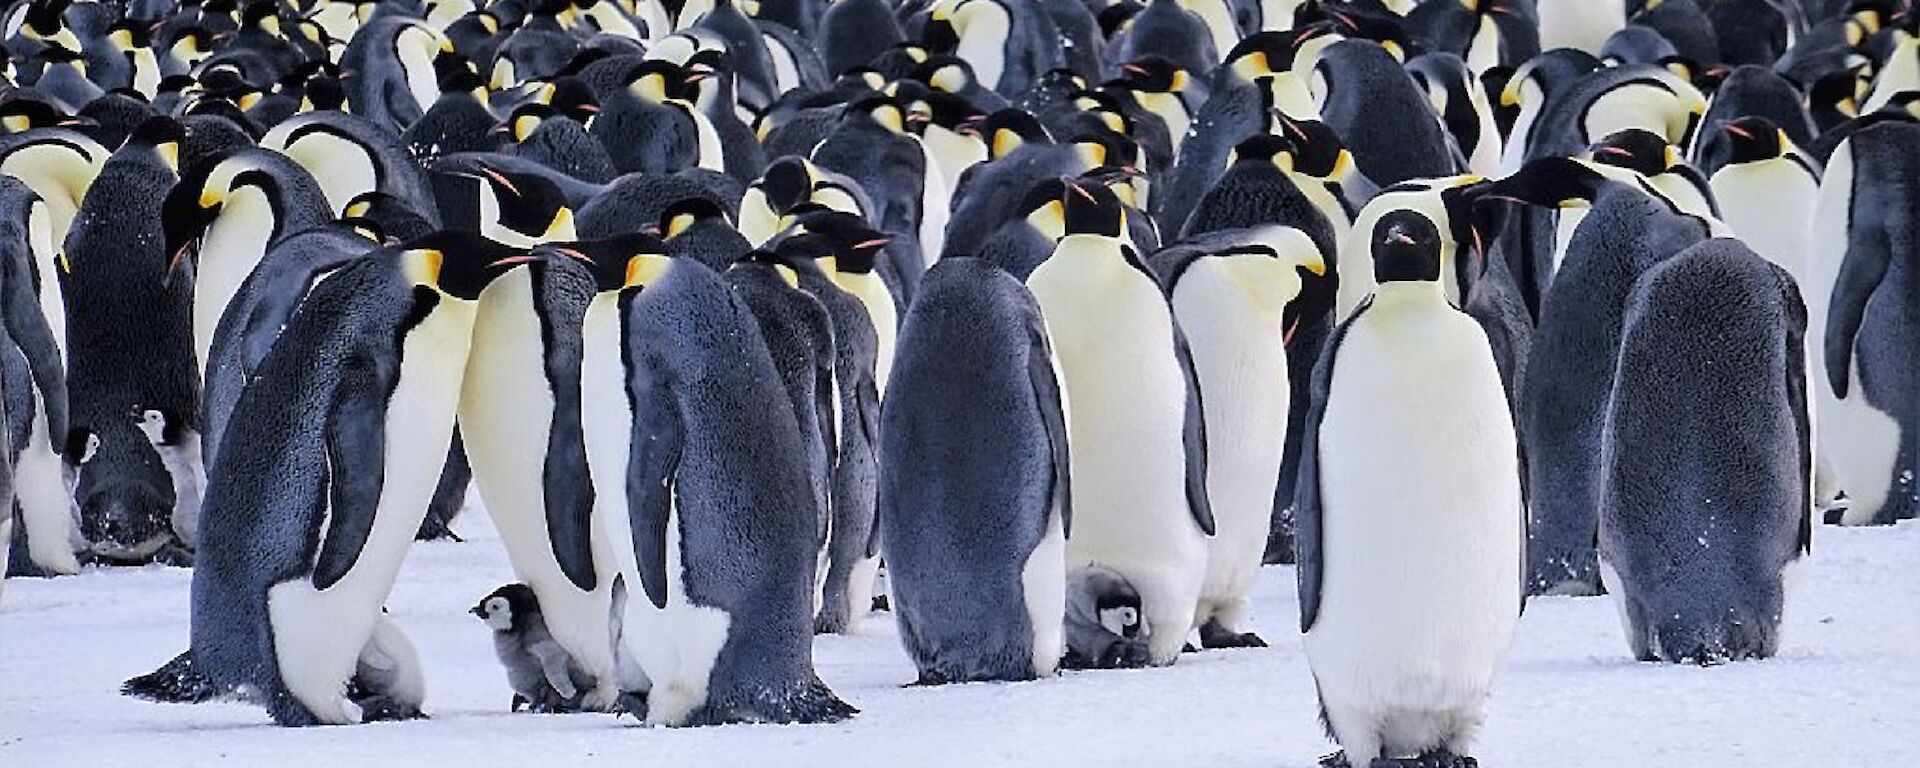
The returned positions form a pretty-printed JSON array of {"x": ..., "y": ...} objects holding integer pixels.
[
  {"x": 1356, "y": 81},
  {"x": 1140, "y": 470},
  {"x": 1768, "y": 192},
  {"x": 697, "y": 460},
  {"x": 1483, "y": 33},
  {"x": 1626, "y": 230},
  {"x": 650, "y": 125},
  {"x": 394, "y": 80},
  {"x": 848, "y": 249},
  {"x": 60, "y": 165},
  {"x": 874, "y": 146},
  {"x": 1009, "y": 43},
  {"x": 1447, "y": 201},
  {"x": 1457, "y": 96},
  {"x": 350, "y": 156},
  {"x": 975, "y": 539},
  {"x": 520, "y": 423},
  {"x": 221, "y": 218},
  {"x": 1580, "y": 24},
  {"x": 789, "y": 183},
  {"x": 36, "y": 402},
  {"x": 1646, "y": 155},
  {"x": 329, "y": 462},
  {"x": 1867, "y": 421},
  {"x": 823, "y": 250},
  {"x": 130, "y": 349},
  {"x": 1230, "y": 290},
  {"x": 1697, "y": 536},
  {"x": 1403, "y": 633}
]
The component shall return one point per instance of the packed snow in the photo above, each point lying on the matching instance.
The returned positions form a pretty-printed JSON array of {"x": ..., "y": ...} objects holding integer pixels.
[{"x": 1845, "y": 689}]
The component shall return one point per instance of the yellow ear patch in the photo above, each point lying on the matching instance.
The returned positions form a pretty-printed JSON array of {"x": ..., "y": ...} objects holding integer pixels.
[
  {"x": 646, "y": 268},
  {"x": 422, "y": 266},
  {"x": 787, "y": 275}
]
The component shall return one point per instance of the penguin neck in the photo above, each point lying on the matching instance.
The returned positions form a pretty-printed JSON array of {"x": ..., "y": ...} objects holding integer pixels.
[
  {"x": 233, "y": 246},
  {"x": 873, "y": 294},
  {"x": 1410, "y": 296}
]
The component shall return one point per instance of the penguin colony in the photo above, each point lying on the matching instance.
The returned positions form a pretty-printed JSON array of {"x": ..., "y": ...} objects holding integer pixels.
[{"x": 1069, "y": 314}]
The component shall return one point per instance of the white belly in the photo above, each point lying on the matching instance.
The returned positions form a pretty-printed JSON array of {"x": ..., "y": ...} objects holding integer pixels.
[
  {"x": 1243, "y": 379},
  {"x": 1046, "y": 595},
  {"x": 341, "y": 167},
  {"x": 1770, "y": 206},
  {"x": 507, "y": 447},
  {"x": 1582, "y": 24},
  {"x": 319, "y": 634},
  {"x": 1126, "y": 399},
  {"x": 45, "y": 506},
  {"x": 1422, "y": 515},
  {"x": 676, "y": 646},
  {"x": 934, "y": 200},
  {"x": 233, "y": 246}
]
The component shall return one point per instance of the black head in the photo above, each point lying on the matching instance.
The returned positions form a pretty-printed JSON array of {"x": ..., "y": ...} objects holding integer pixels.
[
  {"x": 1101, "y": 147},
  {"x": 393, "y": 219},
  {"x": 462, "y": 264},
  {"x": 952, "y": 112},
  {"x": 1011, "y": 128},
  {"x": 1265, "y": 53},
  {"x": 1154, "y": 74},
  {"x": 658, "y": 80},
  {"x": 1318, "y": 150},
  {"x": 1264, "y": 148},
  {"x": 685, "y": 213},
  {"x": 455, "y": 73},
  {"x": 525, "y": 119},
  {"x": 1754, "y": 139},
  {"x": 1638, "y": 150},
  {"x": 509, "y": 608},
  {"x": 21, "y": 114},
  {"x": 787, "y": 183},
  {"x": 849, "y": 240},
  {"x": 529, "y": 204},
  {"x": 326, "y": 93},
  {"x": 1090, "y": 208},
  {"x": 160, "y": 133},
  {"x": 1551, "y": 182},
  {"x": 575, "y": 99},
  {"x": 611, "y": 260},
  {"x": 1114, "y": 17},
  {"x": 1406, "y": 248}
]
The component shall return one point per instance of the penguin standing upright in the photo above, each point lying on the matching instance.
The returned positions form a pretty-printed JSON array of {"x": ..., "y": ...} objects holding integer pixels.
[
  {"x": 1867, "y": 418},
  {"x": 1230, "y": 290},
  {"x": 1626, "y": 231},
  {"x": 1695, "y": 534},
  {"x": 350, "y": 156},
  {"x": 130, "y": 337},
  {"x": 824, "y": 250},
  {"x": 872, "y": 145},
  {"x": 976, "y": 370},
  {"x": 328, "y": 465},
  {"x": 1357, "y": 81},
  {"x": 1767, "y": 194},
  {"x": 394, "y": 80},
  {"x": 702, "y": 463},
  {"x": 1139, "y": 468},
  {"x": 1409, "y": 590},
  {"x": 1010, "y": 43},
  {"x": 36, "y": 389},
  {"x": 520, "y": 423}
]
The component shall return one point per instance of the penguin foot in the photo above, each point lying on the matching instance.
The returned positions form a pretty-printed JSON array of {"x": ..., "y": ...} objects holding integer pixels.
[
  {"x": 632, "y": 703},
  {"x": 880, "y": 603},
  {"x": 1214, "y": 636},
  {"x": 830, "y": 623},
  {"x": 374, "y": 709},
  {"x": 176, "y": 682},
  {"x": 175, "y": 554},
  {"x": 1279, "y": 549},
  {"x": 1335, "y": 760}
]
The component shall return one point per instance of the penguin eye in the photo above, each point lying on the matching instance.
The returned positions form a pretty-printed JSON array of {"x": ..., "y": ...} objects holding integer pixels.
[{"x": 1129, "y": 617}]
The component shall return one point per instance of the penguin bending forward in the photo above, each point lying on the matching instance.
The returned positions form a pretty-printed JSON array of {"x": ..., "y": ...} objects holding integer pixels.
[
  {"x": 974, "y": 481},
  {"x": 1409, "y": 541},
  {"x": 329, "y": 461}
]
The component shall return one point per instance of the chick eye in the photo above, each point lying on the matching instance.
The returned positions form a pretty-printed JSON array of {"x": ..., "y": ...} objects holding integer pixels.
[{"x": 1129, "y": 617}]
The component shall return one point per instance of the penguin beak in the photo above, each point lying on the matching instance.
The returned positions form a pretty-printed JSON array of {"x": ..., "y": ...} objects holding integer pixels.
[
  {"x": 1737, "y": 131},
  {"x": 1616, "y": 151},
  {"x": 512, "y": 260},
  {"x": 479, "y": 611}
]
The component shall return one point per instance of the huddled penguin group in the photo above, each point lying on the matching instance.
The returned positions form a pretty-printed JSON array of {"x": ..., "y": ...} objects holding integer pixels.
[{"x": 1041, "y": 323}]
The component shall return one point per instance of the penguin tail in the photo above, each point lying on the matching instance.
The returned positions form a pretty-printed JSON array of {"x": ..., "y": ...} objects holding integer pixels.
[{"x": 176, "y": 682}]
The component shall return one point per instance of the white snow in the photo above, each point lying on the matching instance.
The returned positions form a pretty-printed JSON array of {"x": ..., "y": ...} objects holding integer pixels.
[{"x": 1844, "y": 691}]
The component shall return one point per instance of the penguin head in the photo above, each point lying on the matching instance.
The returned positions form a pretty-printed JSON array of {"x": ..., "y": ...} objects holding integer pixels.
[
  {"x": 881, "y": 110},
  {"x": 1754, "y": 139},
  {"x": 455, "y": 74},
  {"x": 787, "y": 183},
  {"x": 162, "y": 426},
  {"x": 841, "y": 243},
  {"x": 1155, "y": 74},
  {"x": 1638, "y": 150},
  {"x": 457, "y": 264},
  {"x": 1009, "y": 129},
  {"x": 1265, "y": 53},
  {"x": 686, "y": 213},
  {"x": 129, "y": 35},
  {"x": 1129, "y": 185},
  {"x": 21, "y": 114},
  {"x": 1045, "y": 207},
  {"x": 524, "y": 120},
  {"x": 1317, "y": 149},
  {"x": 1272, "y": 264},
  {"x": 1264, "y": 148},
  {"x": 1550, "y": 182},
  {"x": 627, "y": 260},
  {"x": 161, "y": 134},
  {"x": 391, "y": 218},
  {"x": 196, "y": 201},
  {"x": 658, "y": 80},
  {"x": 42, "y": 22},
  {"x": 1103, "y": 148},
  {"x": 1090, "y": 208},
  {"x": 575, "y": 99},
  {"x": 508, "y": 608},
  {"x": 1406, "y": 248},
  {"x": 1117, "y": 17},
  {"x": 521, "y": 206},
  {"x": 949, "y": 112},
  {"x": 946, "y": 73}
]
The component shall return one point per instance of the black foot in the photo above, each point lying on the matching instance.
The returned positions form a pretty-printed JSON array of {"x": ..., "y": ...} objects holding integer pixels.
[
  {"x": 1123, "y": 654},
  {"x": 176, "y": 555},
  {"x": 1188, "y": 648},
  {"x": 1213, "y": 635},
  {"x": 176, "y": 682},
  {"x": 880, "y": 603},
  {"x": 631, "y": 704},
  {"x": 381, "y": 708},
  {"x": 825, "y": 624},
  {"x": 1443, "y": 759},
  {"x": 1335, "y": 760}
]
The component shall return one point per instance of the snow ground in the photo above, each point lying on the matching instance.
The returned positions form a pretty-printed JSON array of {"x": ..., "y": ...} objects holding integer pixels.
[{"x": 1845, "y": 690}]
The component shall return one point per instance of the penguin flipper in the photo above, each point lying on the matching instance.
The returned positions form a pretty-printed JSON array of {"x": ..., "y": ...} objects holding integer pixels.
[
  {"x": 866, "y": 398},
  {"x": 1194, "y": 436},
  {"x": 657, "y": 438},
  {"x": 27, "y": 325},
  {"x": 1046, "y": 393},
  {"x": 1307, "y": 527},
  {"x": 1797, "y": 401},
  {"x": 356, "y": 448},
  {"x": 1861, "y": 272}
]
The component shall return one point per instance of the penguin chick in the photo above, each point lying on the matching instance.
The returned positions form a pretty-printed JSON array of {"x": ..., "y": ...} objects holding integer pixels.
[
  {"x": 1104, "y": 629},
  {"x": 544, "y": 677}
]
